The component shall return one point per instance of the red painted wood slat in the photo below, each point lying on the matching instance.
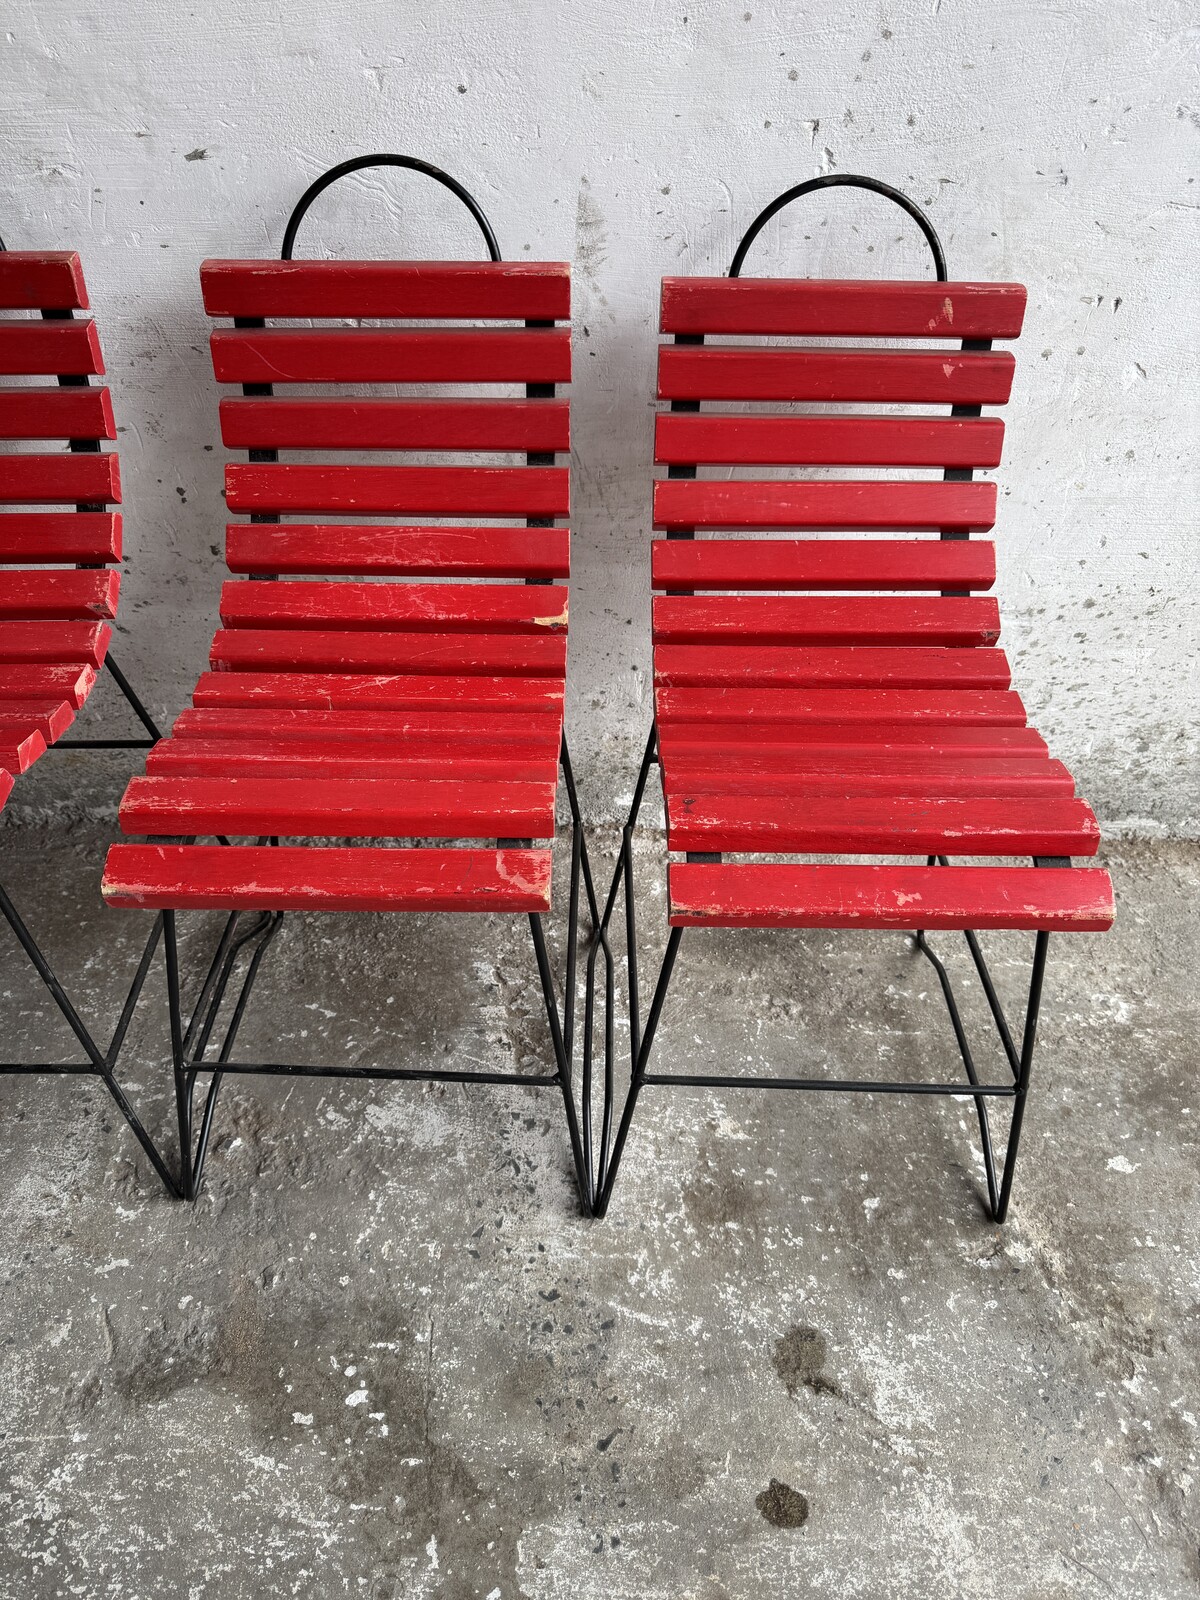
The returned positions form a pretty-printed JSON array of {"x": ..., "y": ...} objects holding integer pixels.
[
  {"x": 299, "y": 650},
  {"x": 871, "y": 666},
  {"x": 67, "y": 536},
  {"x": 828, "y": 441},
  {"x": 805, "y": 619},
  {"x": 47, "y": 349},
  {"x": 843, "y": 308},
  {"x": 348, "y": 691},
  {"x": 523, "y": 732},
  {"x": 83, "y": 413},
  {"x": 55, "y": 642},
  {"x": 359, "y": 424},
  {"x": 81, "y": 595},
  {"x": 421, "y": 491},
  {"x": 782, "y": 895},
  {"x": 733, "y": 759},
  {"x": 694, "y": 503},
  {"x": 370, "y": 355},
  {"x": 823, "y": 563},
  {"x": 516, "y": 290},
  {"x": 336, "y": 549},
  {"x": 867, "y": 740},
  {"x": 843, "y": 779},
  {"x": 36, "y": 280},
  {"x": 6, "y": 783},
  {"x": 324, "y": 758},
  {"x": 21, "y": 744},
  {"x": 303, "y": 878},
  {"x": 34, "y": 682},
  {"x": 50, "y": 716},
  {"x": 869, "y": 706},
  {"x": 850, "y": 825},
  {"x": 350, "y": 808},
  {"x": 737, "y": 372},
  {"x": 413, "y": 607},
  {"x": 32, "y": 479}
]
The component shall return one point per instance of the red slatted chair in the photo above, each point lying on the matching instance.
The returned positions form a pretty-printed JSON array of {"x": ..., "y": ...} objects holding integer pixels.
[
  {"x": 59, "y": 585},
  {"x": 341, "y": 706},
  {"x": 848, "y": 697}
]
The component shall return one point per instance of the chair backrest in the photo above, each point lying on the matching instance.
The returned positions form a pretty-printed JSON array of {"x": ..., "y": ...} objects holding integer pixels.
[
  {"x": 920, "y": 366},
  {"x": 430, "y": 363},
  {"x": 58, "y": 345}
]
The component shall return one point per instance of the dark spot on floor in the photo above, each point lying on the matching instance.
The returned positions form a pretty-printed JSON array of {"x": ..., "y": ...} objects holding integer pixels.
[
  {"x": 799, "y": 1358},
  {"x": 783, "y": 1506}
]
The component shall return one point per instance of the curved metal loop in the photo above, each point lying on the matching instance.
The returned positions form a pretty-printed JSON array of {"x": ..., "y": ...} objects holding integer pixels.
[
  {"x": 840, "y": 180},
  {"x": 356, "y": 164}
]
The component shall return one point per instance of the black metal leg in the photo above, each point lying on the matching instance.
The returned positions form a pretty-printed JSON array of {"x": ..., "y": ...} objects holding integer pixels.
[
  {"x": 100, "y": 1063},
  {"x": 1028, "y": 1041}
]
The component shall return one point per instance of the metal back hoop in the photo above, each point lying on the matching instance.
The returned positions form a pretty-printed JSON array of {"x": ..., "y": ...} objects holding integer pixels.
[
  {"x": 411, "y": 164},
  {"x": 842, "y": 180}
]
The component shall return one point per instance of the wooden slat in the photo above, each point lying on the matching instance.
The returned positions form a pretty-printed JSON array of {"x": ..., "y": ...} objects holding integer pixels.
[
  {"x": 865, "y": 739},
  {"x": 523, "y": 732},
  {"x": 350, "y": 808},
  {"x": 34, "y": 682},
  {"x": 850, "y": 825},
  {"x": 509, "y": 290},
  {"x": 76, "y": 413},
  {"x": 739, "y": 439},
  {"x": 81, "y": 595},
  {"x": 872, "y": 666},
  {"x": 46, "y": 349},
  {"x": 372, "y": 355},
  {"x": 694, "y": 503},
  {"x": 738, "y": 372},
  {"x": 42, "y": 280},
  {"x": 32, "y": 479},
  {"x": 303, "y": 878},
  {"x": 52, "y": 641},
  {"x": 808, "y": 619},
  {"x": 421, "y": 491},
  {"x": 823, "y": 563},
  {"x": 21, "y": 744},
  {"x": 788, "y": 771},
  {"x": 51, "y": 716},
  {"x": 348, "y": 691},
  {"x": 358, "y": 424},
  {"x": 918, "y": 706},
  {"x": 782, "y": 895},
  {"x": 6, "y": 783},
  {"x": 324, "y": 758},
  {"x": 294, "y": 650},
  {"x": 843, "y": 307},
  {"x": 413, "y": 607},
  {"x": 66, "y": 536},
  {"x": 336, "y": 549}
]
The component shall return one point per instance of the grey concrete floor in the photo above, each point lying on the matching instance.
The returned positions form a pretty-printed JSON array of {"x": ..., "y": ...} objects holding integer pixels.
[{"x": 384, "y": 1356}]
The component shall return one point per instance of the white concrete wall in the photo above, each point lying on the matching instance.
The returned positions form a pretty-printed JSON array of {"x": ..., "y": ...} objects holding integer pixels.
[{"x": 1052, "y": 145}]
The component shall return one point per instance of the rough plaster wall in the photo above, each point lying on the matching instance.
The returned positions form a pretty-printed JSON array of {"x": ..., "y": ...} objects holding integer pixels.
[{"x": 1054, "y": 146}]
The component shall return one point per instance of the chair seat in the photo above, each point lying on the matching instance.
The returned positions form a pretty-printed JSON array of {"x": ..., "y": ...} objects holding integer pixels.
[{"x": 291, "y": 878}]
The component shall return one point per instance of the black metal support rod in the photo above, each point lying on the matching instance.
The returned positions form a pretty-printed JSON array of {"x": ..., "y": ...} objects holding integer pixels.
[
  {"x": 608, "y": 1177},
  {"x": 1028, "y": 1040},
  {"x": 964, "y": 1049},
  {"x": 305, "y": 1069},
  {"x": 716, "y": 1080},
  {"x": 183, "y": 1092},
  {"x": 583, "y": 1177}
]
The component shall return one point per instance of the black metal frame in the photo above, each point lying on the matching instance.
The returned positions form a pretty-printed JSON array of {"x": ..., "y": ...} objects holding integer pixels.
[
  {"x": 641, "y": 1035},
  {"x": 100, "y": 1063},
  {"x": 250, "y": 933}
]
